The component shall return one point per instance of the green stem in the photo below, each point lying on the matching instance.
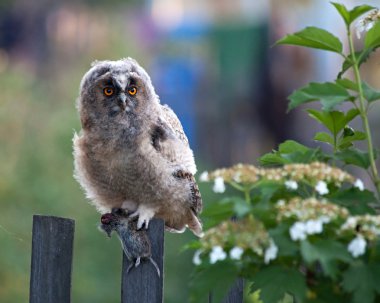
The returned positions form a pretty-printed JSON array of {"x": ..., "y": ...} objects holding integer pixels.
[
  {"x": 237, "y": 186},
  {"x": 363, "y": 114},
  {"x": 247, "y": 196}
]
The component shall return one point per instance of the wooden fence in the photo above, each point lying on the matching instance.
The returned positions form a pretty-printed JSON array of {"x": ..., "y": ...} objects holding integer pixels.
[{"x": 51, "y": 266}]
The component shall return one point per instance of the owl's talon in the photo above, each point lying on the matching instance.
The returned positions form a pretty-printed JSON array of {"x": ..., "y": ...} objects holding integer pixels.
[{"x": 145, "y": 214}]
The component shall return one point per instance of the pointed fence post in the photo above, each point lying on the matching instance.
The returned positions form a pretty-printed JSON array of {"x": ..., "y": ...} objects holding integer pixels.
[
  {"x": 52, "y": 255},
  {"x": 142, "y": 284}
]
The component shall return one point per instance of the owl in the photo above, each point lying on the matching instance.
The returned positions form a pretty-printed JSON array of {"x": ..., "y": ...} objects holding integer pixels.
[{"x": 132, "y": 152}]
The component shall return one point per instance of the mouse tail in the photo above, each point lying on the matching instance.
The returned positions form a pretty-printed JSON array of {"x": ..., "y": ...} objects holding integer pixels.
[{"x": 155, "y": 265}]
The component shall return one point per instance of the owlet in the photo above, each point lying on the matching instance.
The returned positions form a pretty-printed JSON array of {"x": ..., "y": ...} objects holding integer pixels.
[{"x": 132, "y": 152}]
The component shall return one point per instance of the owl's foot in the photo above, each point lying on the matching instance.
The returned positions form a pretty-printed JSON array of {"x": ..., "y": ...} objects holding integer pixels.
[{"x": 145, "y": 214}]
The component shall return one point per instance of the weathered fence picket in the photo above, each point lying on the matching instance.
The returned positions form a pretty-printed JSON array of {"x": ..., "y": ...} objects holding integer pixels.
[
  {"x": 142, "y": 284},
  {"x": 52, "y": 255},
  {"x": 235, "y": 294},
  {"x": 51, "y": 266}
]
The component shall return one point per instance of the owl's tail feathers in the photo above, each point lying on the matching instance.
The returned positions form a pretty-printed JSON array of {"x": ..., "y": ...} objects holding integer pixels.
[
  {"x": 175, "y": 230},
  {"x": 195, "y": 226},
  {"x": 155, "y": 265}
]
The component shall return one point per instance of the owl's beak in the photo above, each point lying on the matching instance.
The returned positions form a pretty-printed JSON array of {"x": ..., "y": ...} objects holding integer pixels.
[{"x": 123, "y": 99}]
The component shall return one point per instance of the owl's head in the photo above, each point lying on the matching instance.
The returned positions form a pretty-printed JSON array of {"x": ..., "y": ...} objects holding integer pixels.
[{"x": 114, "y": 90}]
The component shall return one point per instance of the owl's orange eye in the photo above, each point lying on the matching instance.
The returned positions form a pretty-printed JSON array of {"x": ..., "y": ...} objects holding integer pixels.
[
  {"x": 132, "y": 91},
  {"x": 108, "y": 91}
]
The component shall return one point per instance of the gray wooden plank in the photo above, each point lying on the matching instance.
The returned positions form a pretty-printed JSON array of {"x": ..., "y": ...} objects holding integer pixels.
[
  {"x": 235, "y": 294},
  {"x": 51, "y": 264},
  {"x": 142, "y": 284}
]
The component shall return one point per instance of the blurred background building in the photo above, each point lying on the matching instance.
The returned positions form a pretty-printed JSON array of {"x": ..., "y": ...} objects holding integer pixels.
[{"x": 212, "y": 61}]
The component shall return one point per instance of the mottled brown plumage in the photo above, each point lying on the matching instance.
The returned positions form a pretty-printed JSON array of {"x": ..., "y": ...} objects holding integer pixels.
[{"x": 131, "y": 149}]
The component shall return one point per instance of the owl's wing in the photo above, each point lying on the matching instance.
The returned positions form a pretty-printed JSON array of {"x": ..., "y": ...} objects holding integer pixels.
[
  {"x": 196, "y": 199},
  {"x": 174, "y": 123},
  {"x": 169, "y": 139}
]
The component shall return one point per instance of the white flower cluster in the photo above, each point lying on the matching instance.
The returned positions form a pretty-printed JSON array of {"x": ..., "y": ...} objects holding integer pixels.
[
  {"x": 359, "y": 184},
  {"x": 291, "y": 184},
  {"x": 357, "y": 246},
  {"x": 321, "y": 188},
  {"x": 316, "y": 173},
  {"x": 366, "y": 225},
  {"x": 217, "y": 253},
  {"x": 367, "y": 22},
  {"x": 300, "y": 230},
  {"x": 271, "y": 252},
  {"x": 219, "y": 186},
  {"x": 310, "y": 209}
]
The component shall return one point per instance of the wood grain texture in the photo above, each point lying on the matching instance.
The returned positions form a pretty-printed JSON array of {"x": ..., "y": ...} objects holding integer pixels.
[
  {"x": 51, "y": 265},
  {"x": 142, "y": 284},
  {"x": 235, "y": 294}
]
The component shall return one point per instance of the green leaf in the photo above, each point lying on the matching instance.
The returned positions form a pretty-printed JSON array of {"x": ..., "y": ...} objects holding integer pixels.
[
  {"x": 358, "y": 202},
  {"x": 224, "y": 209},
  {"x": 350, "y": 16},
  {"x": 372, "y": 38},
  {"x": 313, "y": 37},
  {"x": 334, "y": 121},
  {"x": 343, "y": 12},
  {"x": 268, "y": 189},
  {"x": 363, "y": 280},
  {"x": 241, "y": 207},
  {"x": 271, "y": 159},
  {"x": 217, "y": 212},
  {"x": 346, "y": 142},
  {"x": 347, "y": 84},
  {"x": 293, "y": 152},
  {"x": 275, "y": 281},
  {"x": 217, "y": 278},
  {"x": 280, "y": 235},
  {"x": 361, "y": 57},
  {"x": 307, "y": 157},
  {"x": 355, "y": 157},
  {"x": 326, "y": 252},
  {"x": 357, "y": 11},
  {"x": 351, "y": 115},
  {"x": 291, "y": 146},
  {"x": 329, "y": 94},
  {"x": 287, "y": 147},
  {"x": 324, "y": 137},
  {"x": 370, "y": 93}
]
